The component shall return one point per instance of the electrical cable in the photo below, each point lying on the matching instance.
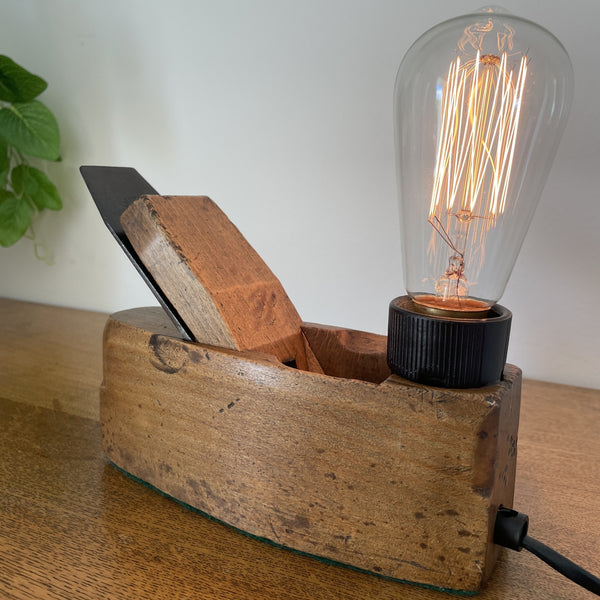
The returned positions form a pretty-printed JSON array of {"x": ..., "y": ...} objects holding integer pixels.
[{"x": 510, "y": 531}]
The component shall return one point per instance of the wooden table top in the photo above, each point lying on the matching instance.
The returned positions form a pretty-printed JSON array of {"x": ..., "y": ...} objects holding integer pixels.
[{"x": 72, "y": 526}]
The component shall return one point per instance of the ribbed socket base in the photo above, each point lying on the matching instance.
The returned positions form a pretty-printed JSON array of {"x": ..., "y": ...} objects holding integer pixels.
[{"x": 447, "y": 351}]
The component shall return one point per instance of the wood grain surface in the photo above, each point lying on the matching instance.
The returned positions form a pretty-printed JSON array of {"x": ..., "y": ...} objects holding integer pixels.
[
  {"x": 72, "y": 526},
  {"x": 396, "y": 478}
]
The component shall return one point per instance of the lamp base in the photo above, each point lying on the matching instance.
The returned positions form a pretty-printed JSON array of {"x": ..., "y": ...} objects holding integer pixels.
[
  {"x": 454, "y": 352},
  {"x": 351, "y": 465}
]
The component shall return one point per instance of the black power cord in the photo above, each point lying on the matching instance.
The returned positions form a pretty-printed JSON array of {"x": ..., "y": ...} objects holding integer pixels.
[{"x": 510, "y": 531}]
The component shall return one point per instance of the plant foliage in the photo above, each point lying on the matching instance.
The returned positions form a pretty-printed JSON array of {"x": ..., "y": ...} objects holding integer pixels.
[{"x": 27, "y": 129}]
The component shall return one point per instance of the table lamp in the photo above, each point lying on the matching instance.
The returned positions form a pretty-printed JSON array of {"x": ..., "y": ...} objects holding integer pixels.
[{"x": 297, "y": 433}]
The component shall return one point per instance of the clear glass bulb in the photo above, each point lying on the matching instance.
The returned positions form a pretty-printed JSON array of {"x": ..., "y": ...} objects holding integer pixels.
[{"x": 480, "y": 105}]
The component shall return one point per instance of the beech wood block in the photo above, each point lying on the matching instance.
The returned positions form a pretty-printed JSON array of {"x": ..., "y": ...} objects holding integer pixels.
[
  {"x": 219, "y": 285},
  {"x": 394, "y": 477}
]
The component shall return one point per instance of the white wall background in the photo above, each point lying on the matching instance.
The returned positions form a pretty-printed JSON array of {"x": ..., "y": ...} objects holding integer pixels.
[{"x": 280, "y": 110}]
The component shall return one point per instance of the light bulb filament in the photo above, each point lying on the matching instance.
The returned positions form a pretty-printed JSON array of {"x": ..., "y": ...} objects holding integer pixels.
[
  {"x": 437, "y": 225},
  {"x": 480, "y": 109}
]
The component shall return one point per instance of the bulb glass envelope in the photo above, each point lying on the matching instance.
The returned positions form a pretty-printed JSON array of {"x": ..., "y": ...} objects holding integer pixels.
[{"x": 480, "y": 104}]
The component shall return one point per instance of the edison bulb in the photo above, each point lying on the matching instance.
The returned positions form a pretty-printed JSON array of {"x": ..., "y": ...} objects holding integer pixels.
[{"x": 480, "y": 104}]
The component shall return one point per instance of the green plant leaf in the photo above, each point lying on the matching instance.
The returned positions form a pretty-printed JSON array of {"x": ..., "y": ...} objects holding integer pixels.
[
  {"x": 18, "y": 84},
  {"x": 33, "y": 185},
  {"x": 4, "y": 164},
  {"x": 14, "y": 218},
  {"x": 31, "y": 128}
]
